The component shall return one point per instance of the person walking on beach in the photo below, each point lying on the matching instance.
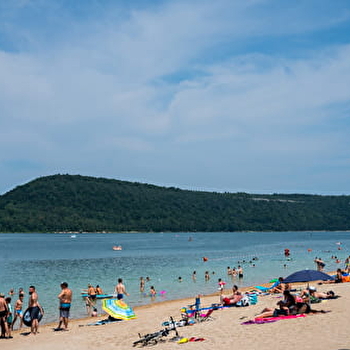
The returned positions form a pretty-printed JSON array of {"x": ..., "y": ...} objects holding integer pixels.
[
  {"x": 120, "y": 289},
  {"x": 34, "y": 310},
  {"x": 65, "y": 298},
  {"x": 3, "y": 315},
  {"x": 18, "y": 311}
]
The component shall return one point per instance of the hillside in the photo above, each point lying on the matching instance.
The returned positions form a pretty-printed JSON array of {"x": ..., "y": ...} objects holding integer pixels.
[{"x": 81, "y": 203}]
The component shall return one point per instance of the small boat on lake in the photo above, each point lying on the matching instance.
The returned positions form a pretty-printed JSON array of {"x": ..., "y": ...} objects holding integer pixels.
[{"x": 117, "y": 247}]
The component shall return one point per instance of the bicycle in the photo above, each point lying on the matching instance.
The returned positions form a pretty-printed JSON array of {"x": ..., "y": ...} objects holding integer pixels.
[{"x": 154, "y": 338}]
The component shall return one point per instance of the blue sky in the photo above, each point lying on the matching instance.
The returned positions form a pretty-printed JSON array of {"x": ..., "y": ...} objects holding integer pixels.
[{"x": 218, "y": 95}]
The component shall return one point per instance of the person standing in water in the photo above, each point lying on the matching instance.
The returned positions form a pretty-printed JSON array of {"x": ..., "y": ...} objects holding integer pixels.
[
  {"x": 194, "y": 276},
  {"x": 120, "y": 289},
  {"x": 142, "y": 284}
]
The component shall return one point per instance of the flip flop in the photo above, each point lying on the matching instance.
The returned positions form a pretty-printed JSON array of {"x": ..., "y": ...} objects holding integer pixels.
[{"x": 182, "y": 341}]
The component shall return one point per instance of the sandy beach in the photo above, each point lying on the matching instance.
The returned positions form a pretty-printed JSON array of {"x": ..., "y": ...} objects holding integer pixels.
[{"x": 319, "y": 331}]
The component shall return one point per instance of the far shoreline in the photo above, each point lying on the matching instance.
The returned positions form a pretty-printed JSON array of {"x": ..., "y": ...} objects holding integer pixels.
[{"x": 167, "y": 232}]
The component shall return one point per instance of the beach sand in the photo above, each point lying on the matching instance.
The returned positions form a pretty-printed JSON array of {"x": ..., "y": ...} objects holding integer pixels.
[{"x": 319, "y": 331}]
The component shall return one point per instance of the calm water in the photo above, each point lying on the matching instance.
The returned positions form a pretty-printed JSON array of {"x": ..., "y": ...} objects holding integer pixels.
[{"x": 45, "y": 260}]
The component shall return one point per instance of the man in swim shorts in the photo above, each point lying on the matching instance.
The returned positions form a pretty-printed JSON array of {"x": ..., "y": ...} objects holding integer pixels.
[
  {"x": 65, "y": 298},
  {"x": 3, "y": 315},
  {"x": 120, "y": 289},
  {"x": 34, "y": 309},
  {"x": 18, "y": 311}
]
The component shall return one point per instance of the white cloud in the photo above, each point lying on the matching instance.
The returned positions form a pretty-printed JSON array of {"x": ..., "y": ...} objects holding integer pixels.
[{"x": 160, "y": 82}]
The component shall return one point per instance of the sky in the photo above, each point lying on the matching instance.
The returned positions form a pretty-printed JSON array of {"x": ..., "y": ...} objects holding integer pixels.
[{"x": 236, "y": 96}]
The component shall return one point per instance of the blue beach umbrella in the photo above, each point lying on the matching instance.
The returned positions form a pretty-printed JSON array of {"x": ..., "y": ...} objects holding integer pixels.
[
  {"x": 118, "y": 309},
  {"x": 306, "y": 276}
]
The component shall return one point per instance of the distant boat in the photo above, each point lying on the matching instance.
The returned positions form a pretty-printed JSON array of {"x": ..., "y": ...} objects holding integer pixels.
[
  {"x": 117, "y": 247},
  {"x": 73, "y": 236}
]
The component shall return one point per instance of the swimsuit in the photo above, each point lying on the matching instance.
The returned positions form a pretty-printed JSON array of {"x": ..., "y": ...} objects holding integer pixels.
[
  {"x": 65, "y": 306},
  {"x": 120, "y": 296},
  {"x": 3, "y": 313},
  {"x": 19, "y": 312},
  {"x": 34, "y": 312},
  {"x": 64, "y": 310}
]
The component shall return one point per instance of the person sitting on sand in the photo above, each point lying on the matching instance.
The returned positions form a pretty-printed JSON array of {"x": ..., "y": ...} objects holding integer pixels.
[
  {"x": 286, "y": 307},
  {"x": 232, "y": 299},
  {"x": 339, "y": 278},
  {"x": 280, "y": 286}
]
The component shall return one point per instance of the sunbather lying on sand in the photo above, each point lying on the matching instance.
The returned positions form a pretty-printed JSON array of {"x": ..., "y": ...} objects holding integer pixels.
[{"x": 311, "y": 291}]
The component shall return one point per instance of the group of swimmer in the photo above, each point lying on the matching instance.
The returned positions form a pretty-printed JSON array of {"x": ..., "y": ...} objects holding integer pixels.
[
  {"x": 92, "y": 293},
  {"x": 320, "y": 264}
]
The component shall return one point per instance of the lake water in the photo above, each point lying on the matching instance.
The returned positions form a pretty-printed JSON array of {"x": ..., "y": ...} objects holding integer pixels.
[{"x": 45, "y": 260}]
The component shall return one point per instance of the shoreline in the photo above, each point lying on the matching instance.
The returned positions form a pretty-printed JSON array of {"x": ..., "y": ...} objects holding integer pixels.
[{"x": 188, "y": 300}]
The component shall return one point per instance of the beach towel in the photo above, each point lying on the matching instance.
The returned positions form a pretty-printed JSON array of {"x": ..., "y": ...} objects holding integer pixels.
[
  {"x": 265, "y": 289},
  {"x": 105, "y": 321},
  {"x": 261, "y": 288},
  {"x": 271, "y": 319}
]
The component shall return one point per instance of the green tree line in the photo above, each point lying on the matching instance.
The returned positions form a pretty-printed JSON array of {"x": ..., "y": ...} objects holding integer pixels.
[{"x": 81, "y": 203}]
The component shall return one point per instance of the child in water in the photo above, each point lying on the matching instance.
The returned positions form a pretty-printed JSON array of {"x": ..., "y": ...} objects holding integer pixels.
[
  {"x": 94, "y": 313},
  {"x": 221, "y": 285},
  {"x": 153, "y": 292}
]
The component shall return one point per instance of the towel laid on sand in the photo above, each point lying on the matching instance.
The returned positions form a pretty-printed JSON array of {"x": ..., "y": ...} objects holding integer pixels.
[{"x": 271, "y": 319}]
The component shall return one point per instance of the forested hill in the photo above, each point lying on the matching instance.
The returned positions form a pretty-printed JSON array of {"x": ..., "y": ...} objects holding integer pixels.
[{"x": 80, "y": 203}]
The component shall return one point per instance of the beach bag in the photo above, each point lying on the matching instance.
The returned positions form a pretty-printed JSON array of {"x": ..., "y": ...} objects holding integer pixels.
[
  {"x": 245, "y": 301},
  {"x": 253, "y": 298}
]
